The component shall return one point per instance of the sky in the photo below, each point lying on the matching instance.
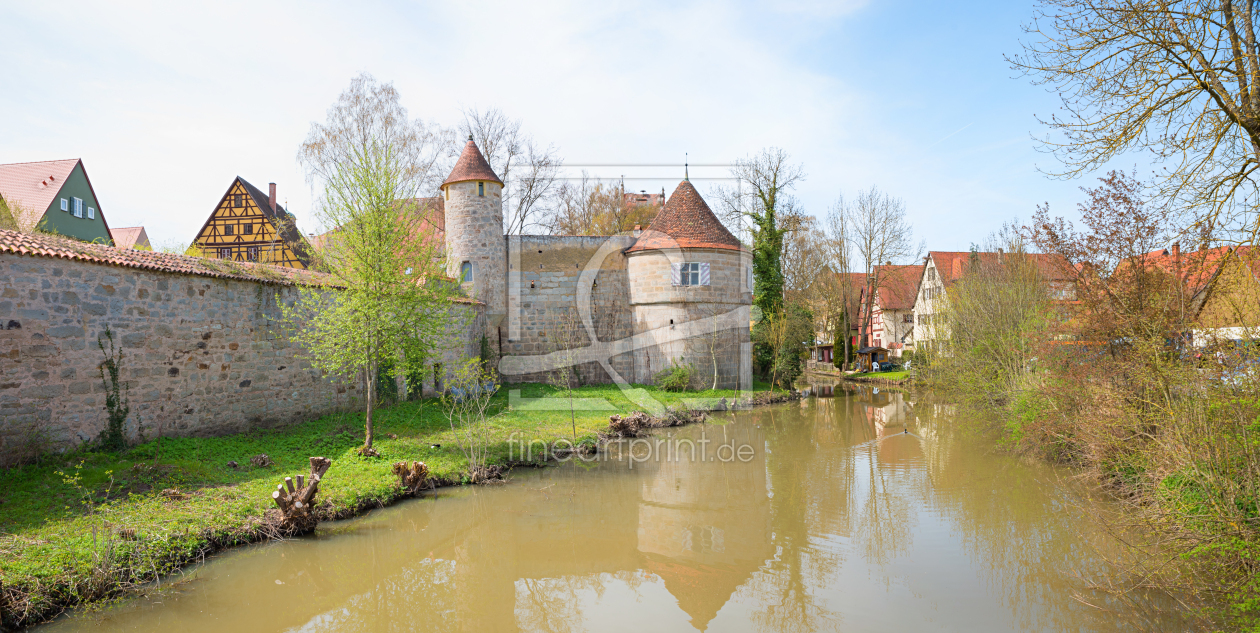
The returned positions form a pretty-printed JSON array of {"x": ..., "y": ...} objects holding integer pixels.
[{"x": 167, "y": 102}]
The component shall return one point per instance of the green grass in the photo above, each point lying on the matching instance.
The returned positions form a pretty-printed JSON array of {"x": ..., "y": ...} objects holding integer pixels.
[
  {"x": 58, "y": 518},
  {"x": 884, "y": 375}
]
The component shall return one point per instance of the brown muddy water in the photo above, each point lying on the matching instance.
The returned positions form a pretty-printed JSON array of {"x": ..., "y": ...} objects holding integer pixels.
[{"x": 867, "y": 511}]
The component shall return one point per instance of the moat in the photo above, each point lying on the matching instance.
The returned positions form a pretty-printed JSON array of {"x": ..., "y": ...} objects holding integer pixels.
[{"x": 859, "y": 510}]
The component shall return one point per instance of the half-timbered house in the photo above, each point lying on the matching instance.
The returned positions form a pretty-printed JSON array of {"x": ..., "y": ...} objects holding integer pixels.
[{"x": 250, "y": 226}]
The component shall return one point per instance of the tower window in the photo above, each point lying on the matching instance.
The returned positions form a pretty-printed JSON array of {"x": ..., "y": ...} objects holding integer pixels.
[
  {"x": 465, "y": 272},
  {"x": 481, "y": 189},
  {"x": 691, "y": 274}
]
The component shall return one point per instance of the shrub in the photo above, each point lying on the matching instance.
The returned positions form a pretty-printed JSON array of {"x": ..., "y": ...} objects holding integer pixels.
[{"x": 676, "y": 378}]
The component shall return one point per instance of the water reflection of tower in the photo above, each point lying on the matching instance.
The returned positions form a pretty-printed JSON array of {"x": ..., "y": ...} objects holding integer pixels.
[{"x": 704, "y": 525}]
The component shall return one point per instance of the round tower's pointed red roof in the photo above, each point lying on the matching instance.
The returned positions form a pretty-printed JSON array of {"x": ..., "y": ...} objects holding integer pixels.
[
  {"x": 685, "y": 222},
  {"x": 471, "y": 166}
]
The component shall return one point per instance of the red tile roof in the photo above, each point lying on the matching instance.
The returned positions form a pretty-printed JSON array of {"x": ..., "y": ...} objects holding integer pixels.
[
  {"x": 38, "y": 245},
  {"x": 685, "y": 222},
  {"x": 471, "y": 166},
  {"x": 952, "y": 265},
  {"x": 32, "y": 187},
  {"x": 898, "y": 286},
  {"x": 130, "y": 237},
  {"x": 1196, "y": 268}
]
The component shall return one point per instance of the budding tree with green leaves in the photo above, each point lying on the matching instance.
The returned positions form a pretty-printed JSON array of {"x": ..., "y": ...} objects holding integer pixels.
[{"x": 391, "y": 305}]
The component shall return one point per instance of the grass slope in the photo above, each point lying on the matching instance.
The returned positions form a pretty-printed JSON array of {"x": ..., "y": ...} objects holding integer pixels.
[{"x": 60, "y": 519}]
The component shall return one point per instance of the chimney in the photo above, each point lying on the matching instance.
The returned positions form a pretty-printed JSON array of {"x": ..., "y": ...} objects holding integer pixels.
[
  {"x": 271, "y": 197},
  {"x": 1176, "y": 250}
]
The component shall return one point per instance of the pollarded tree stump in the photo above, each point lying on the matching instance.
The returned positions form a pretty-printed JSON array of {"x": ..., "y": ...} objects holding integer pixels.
[
  {"x": 411, "y": 477},
  {"x": 296, "y": 502}
]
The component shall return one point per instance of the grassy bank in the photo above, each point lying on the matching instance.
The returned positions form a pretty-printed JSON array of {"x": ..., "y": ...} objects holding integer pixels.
[{"x": 85, "y": 526}]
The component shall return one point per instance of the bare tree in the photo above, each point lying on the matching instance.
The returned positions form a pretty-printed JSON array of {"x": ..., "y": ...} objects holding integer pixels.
[
  {"x": 367, "y": 114},
  {"x": 1180, "y": 78},
  {"x": 764, "y": 180},
  {"x": 529, "y": 171},
  {"x": 838, "y": 290},
  {"x": 590, "y": 206},
  {"x": 879, "y": 233}
]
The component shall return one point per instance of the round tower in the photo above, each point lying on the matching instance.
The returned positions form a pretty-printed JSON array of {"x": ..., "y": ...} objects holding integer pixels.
[
  {"x": 476, "y": 253},
  {"x": 690, "y": 292}
]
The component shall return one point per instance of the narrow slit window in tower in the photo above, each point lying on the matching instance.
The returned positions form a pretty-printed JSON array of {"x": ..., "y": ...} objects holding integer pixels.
[
  {"x": 465, "y": 272},
  {"x": 481, "y": 189}
]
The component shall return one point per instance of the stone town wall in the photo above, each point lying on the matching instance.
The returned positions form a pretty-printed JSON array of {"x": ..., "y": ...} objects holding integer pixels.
[
  {"x": 543, "y": 279},
  {"x": 201, "y": 355}
]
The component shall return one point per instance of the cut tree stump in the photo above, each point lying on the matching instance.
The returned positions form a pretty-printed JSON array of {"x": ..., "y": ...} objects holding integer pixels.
[
  {"x": 411, "y": 477},
  {"x": 296, "y": 502}
]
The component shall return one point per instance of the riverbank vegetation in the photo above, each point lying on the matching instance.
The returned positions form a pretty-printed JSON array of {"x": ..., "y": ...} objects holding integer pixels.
[
  {"x": 88, "y": 525},
  {"x": 1121, "y": 373}
]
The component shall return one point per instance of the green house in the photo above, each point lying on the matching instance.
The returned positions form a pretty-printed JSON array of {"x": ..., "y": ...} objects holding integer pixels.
[{"x": 52, "y": 196}]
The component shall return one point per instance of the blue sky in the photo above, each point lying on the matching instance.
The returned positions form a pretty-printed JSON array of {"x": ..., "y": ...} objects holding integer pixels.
[{"x": 166, "y": 103}]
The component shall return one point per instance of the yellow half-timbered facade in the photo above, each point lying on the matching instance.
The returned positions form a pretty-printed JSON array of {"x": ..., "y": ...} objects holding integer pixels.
[{"x": 250, "y": 226}]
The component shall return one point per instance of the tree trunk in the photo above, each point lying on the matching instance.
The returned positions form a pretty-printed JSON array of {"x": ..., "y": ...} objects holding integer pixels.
[{"x": 371, "y": 395}]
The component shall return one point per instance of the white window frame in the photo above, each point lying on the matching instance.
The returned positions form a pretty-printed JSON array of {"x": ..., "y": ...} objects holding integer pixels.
[
  {"x": 91, "y": 213},
  {"x": 65, "y": 204},
  {"x": 690, "y": 274},
  {"x": 77, "y": 207}
]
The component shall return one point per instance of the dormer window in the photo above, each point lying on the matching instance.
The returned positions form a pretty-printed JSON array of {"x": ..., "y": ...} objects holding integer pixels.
[
  {"x": 481, "y": 189},
  {"x": 228, "y": 229}
]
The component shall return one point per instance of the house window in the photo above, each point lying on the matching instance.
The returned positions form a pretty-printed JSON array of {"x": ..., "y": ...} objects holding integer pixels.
[
  {"x": 65, "y": 204},
  {"x": 91, "y": 213},
  {"x": 465, "y": 272},
  {"x": 907, "y": 318},
  {"x": 238, "y": 200},
  {"x": 481, "y": 189},
  {"x": 77, "y": 207},
  {"x": 251, "y": 253},
  {"x": 225, "y": 253},
  {"x": 227, "y": 229},
  {"x": 249, "y": 229},
  {"x": 691, "y": 274}
]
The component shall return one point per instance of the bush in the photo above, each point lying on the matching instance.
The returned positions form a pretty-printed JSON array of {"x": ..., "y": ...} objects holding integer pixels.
[{"x": 676, "y": 378}]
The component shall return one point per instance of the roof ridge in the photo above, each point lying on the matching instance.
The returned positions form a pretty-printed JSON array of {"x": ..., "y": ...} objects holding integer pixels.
[{"x": 36, "y": 162}]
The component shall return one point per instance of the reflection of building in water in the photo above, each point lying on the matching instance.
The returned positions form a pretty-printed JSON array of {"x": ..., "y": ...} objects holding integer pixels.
[{"x": 705, "y": 527}]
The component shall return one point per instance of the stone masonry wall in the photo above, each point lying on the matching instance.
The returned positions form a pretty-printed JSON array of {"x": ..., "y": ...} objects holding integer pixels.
[
  {"x": 543, "y": 280},
  {"x": 201, "y": 355}
]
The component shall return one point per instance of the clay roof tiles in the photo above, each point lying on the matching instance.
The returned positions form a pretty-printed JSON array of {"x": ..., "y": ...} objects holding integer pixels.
[
  {"x": 471, "y": 166},
  {"x": 685, "y": 222},
  {"x": 898, "y": 286},
  {"x": 38, "y": 245},
  {"x": 32, "y": 187},
  {"x": 130, "y": 237},
  {"x": 952, "y": 265}
]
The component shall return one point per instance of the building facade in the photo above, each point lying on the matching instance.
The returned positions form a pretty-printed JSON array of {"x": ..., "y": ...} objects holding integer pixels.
[
  {"x": 248, "y": 226},
  {"x": 52, "y": 196}
]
